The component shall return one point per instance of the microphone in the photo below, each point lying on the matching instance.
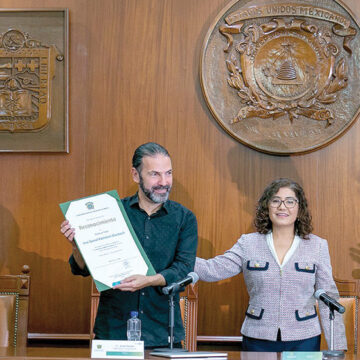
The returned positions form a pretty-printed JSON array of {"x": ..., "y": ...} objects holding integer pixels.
[
  {"x": 329, "y": 301},
  {"x": 190, "y": 278}
]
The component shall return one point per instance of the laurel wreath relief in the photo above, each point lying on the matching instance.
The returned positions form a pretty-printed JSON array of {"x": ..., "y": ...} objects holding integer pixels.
[{"x": 259, "y": 104}]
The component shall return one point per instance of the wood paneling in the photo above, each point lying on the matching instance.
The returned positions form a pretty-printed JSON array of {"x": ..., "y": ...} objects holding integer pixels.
[{"x": 134, "y": 78}]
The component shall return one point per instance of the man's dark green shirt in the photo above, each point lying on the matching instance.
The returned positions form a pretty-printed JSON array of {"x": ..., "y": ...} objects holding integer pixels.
[{"x": 169, "y": 238}]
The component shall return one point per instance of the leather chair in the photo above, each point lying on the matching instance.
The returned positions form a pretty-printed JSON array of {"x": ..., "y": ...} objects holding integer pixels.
[
  {"x": 349, "y": 291},
  {"x": 188, "y": 307},
  {"x": 14, "y": 308}
]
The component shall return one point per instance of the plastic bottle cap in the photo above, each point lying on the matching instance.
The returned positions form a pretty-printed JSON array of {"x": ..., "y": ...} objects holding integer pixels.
[{"x": 134, "y": 313}]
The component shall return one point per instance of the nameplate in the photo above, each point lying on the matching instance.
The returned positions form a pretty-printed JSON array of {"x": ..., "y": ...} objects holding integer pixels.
[
  {"x": 117, "y": 349},
  {"x": 301, "y": 355}
]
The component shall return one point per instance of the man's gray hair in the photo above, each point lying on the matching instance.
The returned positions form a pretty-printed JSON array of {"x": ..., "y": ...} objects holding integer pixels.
[{"x": 148, "y": 149}]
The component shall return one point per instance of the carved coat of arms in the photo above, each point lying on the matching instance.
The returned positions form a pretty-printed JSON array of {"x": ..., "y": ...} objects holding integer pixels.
[
  {"x": 26, "y": 70},
  {"x": 283, "y": 77}
]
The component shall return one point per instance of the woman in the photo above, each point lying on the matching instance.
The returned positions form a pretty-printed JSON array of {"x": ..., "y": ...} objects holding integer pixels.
[{"x": 283, "y": 265}]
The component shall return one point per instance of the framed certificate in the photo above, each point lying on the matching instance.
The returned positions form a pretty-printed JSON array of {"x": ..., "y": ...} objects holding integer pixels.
[{"x": 106, "y": 239}]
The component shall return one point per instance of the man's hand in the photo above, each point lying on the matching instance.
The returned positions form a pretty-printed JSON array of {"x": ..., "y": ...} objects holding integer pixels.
[
  {"x": 68, "y": 231},
  {"x": 137, "y": 282}
]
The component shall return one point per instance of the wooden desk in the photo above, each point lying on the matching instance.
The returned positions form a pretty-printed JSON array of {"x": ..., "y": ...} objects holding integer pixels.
[
  {"x": 57, "y": 353},
  {"x": 45, "y": 352}
]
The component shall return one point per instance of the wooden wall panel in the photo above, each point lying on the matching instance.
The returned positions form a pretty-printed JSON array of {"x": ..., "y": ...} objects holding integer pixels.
[
  {"x": 134, "y": 78},
  {"x": 32, "y": 186}
]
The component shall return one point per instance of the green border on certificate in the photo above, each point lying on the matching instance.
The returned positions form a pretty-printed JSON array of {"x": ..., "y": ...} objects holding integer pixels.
[{"x": 113, "y": 193}]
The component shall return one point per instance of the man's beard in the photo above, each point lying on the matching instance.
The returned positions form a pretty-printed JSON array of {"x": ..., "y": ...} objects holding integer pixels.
[{"x": 150, "y": 193}]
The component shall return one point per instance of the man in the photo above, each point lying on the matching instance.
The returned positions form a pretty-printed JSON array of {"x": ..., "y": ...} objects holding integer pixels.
[{"x": 168, "y": 233}]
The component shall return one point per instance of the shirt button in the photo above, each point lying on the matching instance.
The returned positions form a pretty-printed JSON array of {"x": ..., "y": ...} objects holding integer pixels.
[
  {"x": 141, "y": 312},
  {"x": 142, "y": 293},
  {"x": 146, "y": 237},
  {"x": 148, "y": 218}
]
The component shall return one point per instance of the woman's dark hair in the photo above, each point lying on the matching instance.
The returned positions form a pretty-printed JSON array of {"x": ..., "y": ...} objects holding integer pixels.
[
  {"x": 262, "y": 222},
  {"x": 149, "y": 149}
]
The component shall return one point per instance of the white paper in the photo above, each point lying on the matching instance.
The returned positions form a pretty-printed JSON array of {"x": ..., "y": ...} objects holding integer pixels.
[
  {"x": 117, "y": 349},
  {"x": 104, "y": 239}
]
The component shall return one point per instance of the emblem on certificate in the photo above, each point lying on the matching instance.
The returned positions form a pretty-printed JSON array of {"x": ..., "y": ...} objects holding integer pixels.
[{"x": 106, "y": 239}]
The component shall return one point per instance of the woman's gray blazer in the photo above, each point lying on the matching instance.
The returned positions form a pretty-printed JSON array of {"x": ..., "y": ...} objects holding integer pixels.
[{"x": 280, "y": 298}]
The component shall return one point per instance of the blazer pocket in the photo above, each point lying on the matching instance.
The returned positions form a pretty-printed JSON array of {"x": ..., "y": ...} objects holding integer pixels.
[
  {"x": 257, "y": 265},
  {"x": 254, "y": 312},
  {"x": 305, "y": 314},
  {"x": 305, "y": 267}
]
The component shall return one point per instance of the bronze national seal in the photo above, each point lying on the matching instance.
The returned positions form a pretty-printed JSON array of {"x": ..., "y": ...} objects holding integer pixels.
[{"x": 283, "y": 78}]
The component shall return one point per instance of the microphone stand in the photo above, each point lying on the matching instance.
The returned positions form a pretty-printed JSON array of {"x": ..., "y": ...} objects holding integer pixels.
[
  {"x": 332, "y": 352},
  {"x": 171, "y": 327}
]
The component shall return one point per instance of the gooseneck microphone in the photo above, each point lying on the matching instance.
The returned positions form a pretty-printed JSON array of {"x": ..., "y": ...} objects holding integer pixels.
[
  {"x": 190, "y": 278},
  {"x": 329, "y": 301}
]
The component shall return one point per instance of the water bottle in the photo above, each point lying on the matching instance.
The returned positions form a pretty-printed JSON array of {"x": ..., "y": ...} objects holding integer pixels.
[{"x": 134, "y": 327}]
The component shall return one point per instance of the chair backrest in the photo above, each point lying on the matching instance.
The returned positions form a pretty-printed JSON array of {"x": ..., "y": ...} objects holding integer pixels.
[
  {"x": 349, "y": 291},
  {"x": 14, "y": 308},
  {"x": 188, "y": 307}
]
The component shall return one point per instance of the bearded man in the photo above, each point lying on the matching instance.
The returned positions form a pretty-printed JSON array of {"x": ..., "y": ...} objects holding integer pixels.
[{"x": 167, "y": 232}]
